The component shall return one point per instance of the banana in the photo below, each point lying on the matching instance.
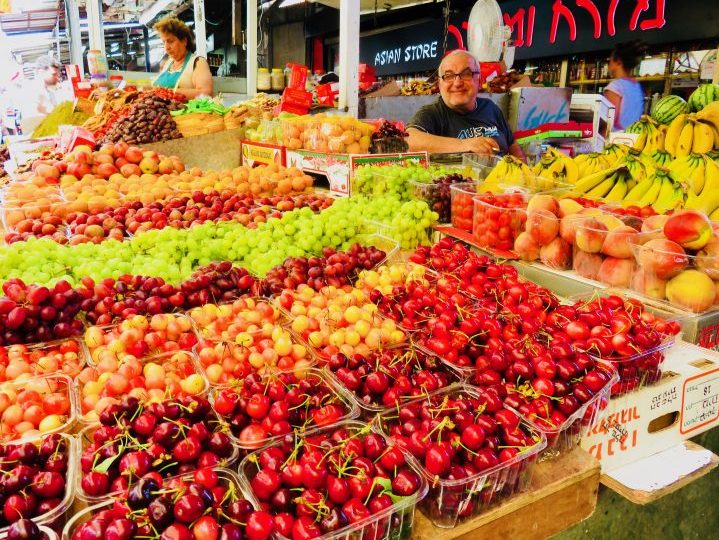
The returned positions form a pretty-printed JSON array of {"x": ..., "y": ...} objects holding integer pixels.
[
  {"x": 711, "y": 182},
  {"x": 637, "y": 192},
  {"x": 587, "y": 183},
  {"x": 689, "y": 170},
  {"x": 603, "y": 188},
  {"x": 617, "y": 192},
  {"x": 702, "y": 138},
  {"x": 684, "y": 144},
  {"x": 641, "y": 141},
  {"x": 672, "y": 137},
  {"x": 708, "y": 202},
  {"x": 571, "y": 171},
  {"x": 661, "y": 137},
  {"x": 665, "y": 200},
  {"x": 714, "y": 216},
  {"x": 710, "y": 115},
  {"x": 652, "y": 193}
]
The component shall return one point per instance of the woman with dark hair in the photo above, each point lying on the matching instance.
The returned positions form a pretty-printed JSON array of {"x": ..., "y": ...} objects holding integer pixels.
[
  {"x": 625, "y": 92},
  {"x": 184, "y": 72}
]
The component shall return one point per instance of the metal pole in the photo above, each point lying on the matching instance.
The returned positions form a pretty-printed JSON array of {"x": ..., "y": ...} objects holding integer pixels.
[
  {"x": 564, "y": 74},
  {"x": 74, "y": 33},
  {"x": 349, "y": 56},
  {"x": 200, "y": 32},
  {"x": 252, "y": 47},
  {"x": 715, "y": 78},
  {"x": 94, "y": 23},
  {"x": 146, "y": 43}
]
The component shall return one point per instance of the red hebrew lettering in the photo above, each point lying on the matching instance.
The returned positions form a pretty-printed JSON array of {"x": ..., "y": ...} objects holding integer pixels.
[
  {"x": 611, "y": 14},
  {"x": 594, "y": 12},
  {"x": 530, "y": 26},
  {"x": 516, "y": 20},
  {"x": 650, "y": 24},
  {"x": 559, "y": 9},
  {"x": 452, "y": 29}
]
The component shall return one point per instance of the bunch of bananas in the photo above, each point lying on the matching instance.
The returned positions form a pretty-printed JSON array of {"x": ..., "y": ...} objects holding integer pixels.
[
  {"x": 614, "y": 152},
  {"x": 611, "y": 183},
  {"x": 694, "y": 133},
  {"x": 557, "y": 167},
  {"x": 658, "y": 190},
  {"x": 660, "y": 158},
  {"x": 691, "y": 171},
  {"x": 702, "y": 190},
  {"x": 651, "y": 134},
  {"x": 591, "y": 163},
  {"x": 512, "y": 172},
  {"x": 639, "y": 167}
]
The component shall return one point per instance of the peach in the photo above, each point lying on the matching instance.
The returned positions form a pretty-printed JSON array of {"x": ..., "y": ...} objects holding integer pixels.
[
  {"x": 543, "y": 202},
  {"x": 708, "y": 259},
  {"x": 165, "y": 166},
  {"x": 616, "y": 272},
  {"x": 128, "y": 169},
  {"x": 557, "y": 254},
  {"x": 662, "y": 257},
  {"x": 586, "y": 264},
  {"x": 612, "y": 222},
  {"x": 590, "y": 235},
  {"x": 542, "y": 226},
  {"x": 716, "y": 297},
  {"x": 526, "y": 248},
  {"x": 106, "y": 170},
  {"x": 149, "y": 165},
  {"x": 618, "y": 242},
  {"x": 568, "y": 227},
  {"x": 648, "y": 284},
  {"x": 689, "y": 228},
  {"x": 567, "y": 207},
  {"x": 691, "y": 289},
  {"x": 654, "y": 223},
  {"x": 133, "y": 154}
]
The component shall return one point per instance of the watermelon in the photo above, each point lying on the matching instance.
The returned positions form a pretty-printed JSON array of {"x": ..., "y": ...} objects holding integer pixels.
[
  {"x": 668, "y": 108},
  {"x": 702, "y": 96}
]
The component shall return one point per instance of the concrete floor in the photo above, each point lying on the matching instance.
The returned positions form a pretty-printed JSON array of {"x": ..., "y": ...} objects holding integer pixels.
[{"x": 690, "y": 513}]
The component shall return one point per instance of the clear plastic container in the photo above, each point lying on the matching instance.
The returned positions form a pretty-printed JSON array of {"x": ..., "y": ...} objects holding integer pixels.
[
  {"x": 251, "y": 305},
  {"x": 465, "y": 372},
  {"x": 664, "y": 271},
  {"x": 603, "y": 246},
  {"x": 389, "y": 245},
  {"x": 54, "y": 519},
  {"x": 481, "y": 165},
  {"x": 183, "y": 364},
  {"x": 643, "y": 368},
  {"x": 450, "y": 502},
  {"x": 46, "y": 533},
  {"x": 17, "y": 214},
  {"x": 319, "y": 377},
  {"x": 462, "y": 203},
  {"x": 34, "y": 354},
  {"x": 393, "y": 523},
  {"x": 84, "y": 439},
  {"x": 370, "y": 410},
  {"x": 437, "y": 196},
  {"x": 60, "y": 384},
  {"x": 567, "y": 436},
  {"x": 396, "y": 233},
  {"x": 226, "y": 478},
  {"x": 496, "y": 225}
]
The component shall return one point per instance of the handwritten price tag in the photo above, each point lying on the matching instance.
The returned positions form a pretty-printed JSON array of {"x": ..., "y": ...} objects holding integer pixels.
[{"x": 700, "y": 401}]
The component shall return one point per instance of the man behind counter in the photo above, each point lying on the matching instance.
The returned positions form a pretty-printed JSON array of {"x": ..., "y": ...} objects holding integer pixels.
[{"x": 459, "y": 121}]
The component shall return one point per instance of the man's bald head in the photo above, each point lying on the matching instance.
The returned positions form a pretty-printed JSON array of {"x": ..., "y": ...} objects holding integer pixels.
[{"x": 456, "y": 55}]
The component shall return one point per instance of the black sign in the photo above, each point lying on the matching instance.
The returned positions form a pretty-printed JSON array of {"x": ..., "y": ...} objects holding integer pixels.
[
  {"x": 542, "y": 28},
  {"x": 411, "y": 49}
]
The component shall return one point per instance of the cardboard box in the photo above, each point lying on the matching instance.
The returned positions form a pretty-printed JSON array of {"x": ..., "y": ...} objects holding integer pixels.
[
  {"x": 530, "y": 107},
  {"x": 683, "y": 404},
  {"x": 255, "y": 153},
  {"x": 339, "y": 168}
]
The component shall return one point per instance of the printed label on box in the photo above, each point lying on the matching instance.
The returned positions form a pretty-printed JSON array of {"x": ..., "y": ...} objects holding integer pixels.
[
  {"x": 700, "y": 401},
  {"x": 254, "y": 154}
]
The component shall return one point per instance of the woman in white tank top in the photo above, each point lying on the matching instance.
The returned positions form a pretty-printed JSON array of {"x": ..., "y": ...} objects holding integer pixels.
[{"x": 625, "y": 92}]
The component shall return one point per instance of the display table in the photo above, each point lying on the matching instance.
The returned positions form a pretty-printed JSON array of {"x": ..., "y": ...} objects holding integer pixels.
[{"x": 562, "y": 492}]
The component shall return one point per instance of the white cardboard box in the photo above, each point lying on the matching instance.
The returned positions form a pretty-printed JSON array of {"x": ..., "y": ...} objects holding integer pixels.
[{"x": 683, "y": 404}]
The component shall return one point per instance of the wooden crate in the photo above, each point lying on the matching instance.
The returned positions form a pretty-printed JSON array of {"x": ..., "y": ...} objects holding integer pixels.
[{"x": 562, "y": 492}]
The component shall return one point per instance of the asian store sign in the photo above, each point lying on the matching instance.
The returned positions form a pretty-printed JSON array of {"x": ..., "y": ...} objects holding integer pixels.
[{"x": 549, "y": 28}]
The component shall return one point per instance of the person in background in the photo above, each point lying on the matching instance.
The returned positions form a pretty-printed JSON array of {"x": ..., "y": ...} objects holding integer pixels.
[
  {"x": 184, "y": 71},
  {"x": 459, "y": 121},
  {"x": 46, "y": 90},
  {"x": 625, "y": 92}
]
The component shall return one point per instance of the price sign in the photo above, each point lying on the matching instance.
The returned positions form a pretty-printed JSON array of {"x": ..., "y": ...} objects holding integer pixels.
[{"x": 700, "y": 401}]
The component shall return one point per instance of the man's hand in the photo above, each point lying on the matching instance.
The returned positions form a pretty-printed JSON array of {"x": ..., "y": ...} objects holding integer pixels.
[{"x": 480, "y": 145}]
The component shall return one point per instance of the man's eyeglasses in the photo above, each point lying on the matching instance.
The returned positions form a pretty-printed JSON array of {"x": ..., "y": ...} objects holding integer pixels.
[{"x": 466, "y": 75}]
